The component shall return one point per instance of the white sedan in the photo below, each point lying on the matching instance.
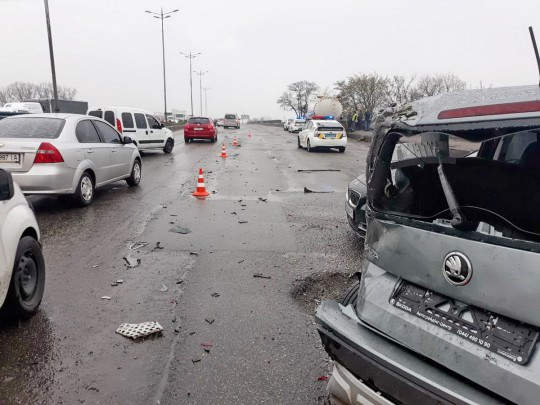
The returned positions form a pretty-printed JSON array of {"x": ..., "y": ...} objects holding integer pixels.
[
  {"x": 22, "y": 268},
  {"x": 323, "y": 134}
]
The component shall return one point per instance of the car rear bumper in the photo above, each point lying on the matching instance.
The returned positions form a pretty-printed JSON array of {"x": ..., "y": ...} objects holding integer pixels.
[
  {"x": 328, "y": 143},
  {"x": 46, "y": 178},
  {"x": 390, "y": 371},
  {"x": 199, "y": 134}
]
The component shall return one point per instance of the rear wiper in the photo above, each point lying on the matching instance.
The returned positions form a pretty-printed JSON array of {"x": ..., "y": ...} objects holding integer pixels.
[{"x": 459, "y": 221}]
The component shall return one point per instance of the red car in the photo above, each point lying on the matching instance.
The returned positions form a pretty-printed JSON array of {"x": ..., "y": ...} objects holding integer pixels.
[{"x": 200, "y": 128}]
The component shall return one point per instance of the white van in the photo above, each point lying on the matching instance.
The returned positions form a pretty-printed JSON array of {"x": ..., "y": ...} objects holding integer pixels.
[
  {"x": 29, "y": 107},
  {"x": 140, "y": 125}
]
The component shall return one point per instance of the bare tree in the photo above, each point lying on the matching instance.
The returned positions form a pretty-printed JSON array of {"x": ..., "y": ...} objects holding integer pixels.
[
  {"x": 23, "y": 91},
  {"x": 298, "y": 97},
  {"x": 401, "y": 90},
  {"x": 431, "y": 85}
]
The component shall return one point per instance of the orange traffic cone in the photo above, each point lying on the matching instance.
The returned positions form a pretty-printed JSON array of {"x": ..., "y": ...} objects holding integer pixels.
[
  {"x": 234, "y": 142},
  {"x": 201, "y": 189},
  {"x": 223, "y": 151}
]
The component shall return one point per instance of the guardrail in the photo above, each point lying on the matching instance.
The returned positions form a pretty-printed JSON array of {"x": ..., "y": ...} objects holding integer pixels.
[{"x": 275, "y": 123}]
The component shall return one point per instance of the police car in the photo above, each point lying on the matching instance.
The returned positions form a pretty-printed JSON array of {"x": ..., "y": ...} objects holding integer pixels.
[{"x": 323, "y": 132}]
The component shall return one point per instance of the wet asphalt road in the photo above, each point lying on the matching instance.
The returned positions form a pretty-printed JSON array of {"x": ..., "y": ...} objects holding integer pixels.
[{"x": 263, "y": 345}]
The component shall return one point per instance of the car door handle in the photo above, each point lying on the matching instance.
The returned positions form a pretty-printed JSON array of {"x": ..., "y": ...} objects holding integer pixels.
[
  {"x": 90, "y": 151},
  {"x": 146, "y": 132},
  {"x": 151, "y": 132},
  {"x": 113, "y": 150}
]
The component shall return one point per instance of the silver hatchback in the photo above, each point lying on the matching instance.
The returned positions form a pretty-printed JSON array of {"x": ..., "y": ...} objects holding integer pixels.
[{"x": 66, "y": 154}]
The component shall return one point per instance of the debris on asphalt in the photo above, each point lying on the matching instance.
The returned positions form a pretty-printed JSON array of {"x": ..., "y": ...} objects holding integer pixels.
[
  {"x": 174, "y": 304},
  {"x": 234, "y": 213},
  {"x": 194, "y": 253},
  {"x": 174, "y": 319},
  {"x": 115, "y": 284},
  {"x": 179, "y": 281},
  {"x": 243, "y": 205},
  {"x": 215, "y": 295},
  {"x": 105, "y": 297},
  {"x": 138, "y": 330},
  {"x": 132, "y": 262},
  {"x": 158, "y": 246},
  {"x": 209, "y": 320},
  {"x": 95, "y": 266},
  {"x": 259, "y": 275},
  {"x": 119, "y": 281},
  {"x": 241, "y": 261},
  {"x": 206, "y": 344},
  {"x": 176, "y": 330},
  {"x": 318, "y": 170},
  {"x": 263, "y": 199},
  {"x": 322, "y": 378},
  {"x": 179, "y": 229},
  {"x": 195, "y": 360},
  {"x": 137, "y": 245},
  {"x": 163, "y": 288},
  {"x": 307, "y": 190},
  {"x": 191, "y": 333},
  {"x": 242, "y": 221}
]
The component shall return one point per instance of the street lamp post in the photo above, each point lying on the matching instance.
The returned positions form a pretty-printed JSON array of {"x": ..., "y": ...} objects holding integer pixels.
[
  {"x": 161, "y": 15},
  {"x": 191, "y": 56},
  {"x": 201, "y": 74},
  {"x": 51, "y": 54},
  {"x": 206, "y": 100}
]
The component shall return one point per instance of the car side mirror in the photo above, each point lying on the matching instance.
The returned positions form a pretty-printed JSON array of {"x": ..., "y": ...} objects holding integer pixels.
[
  {"x": 7, "y": 188},
  {"x": 127, "y": 140}
]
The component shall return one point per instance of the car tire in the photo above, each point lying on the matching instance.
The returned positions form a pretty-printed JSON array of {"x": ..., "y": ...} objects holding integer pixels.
[
  {"x": 169, "y": 146},
  {"x": 85, "y": 190},
  {"x": 136, "y": 173},
  {"x": 341, "y": 150},
  {"x": 309, "y": 148},
  {"x": 351, "y": 296},
  {"x": 27, "y": 280}
]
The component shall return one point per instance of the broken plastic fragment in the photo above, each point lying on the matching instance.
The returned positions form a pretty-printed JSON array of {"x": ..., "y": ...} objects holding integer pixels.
[
  {"x": 105, "y": 297},
  {"x": 259, "y": 275},
  {"x": 132, "y": 261},
  {"x": 137, "y": 245},
  {"x": 163, "y": 288},
  {"x": 242, "y": 221},
  {"x": 158, "y": 246},
  {"x": 137, "y": 330},
  {"x": 179, "y": 229},
  {"x": 209, "y": 320},
  {"x": 322, "y": 378}
]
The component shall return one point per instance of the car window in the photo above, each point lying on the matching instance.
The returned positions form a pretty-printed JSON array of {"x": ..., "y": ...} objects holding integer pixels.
[
  {"x": 109, "y": 117},
  {"x": 152, "y": 122},
  {"x": 198, "y": 121},
  {"x": 108, "y": 133},
  {"x": 86, "y": 132},
  {"x": 127, "y": 119},
  {"x": 514, "y": 146},
  {"x": 230, "y": 116},
  {"x": 27, "y": 127},
  {"x": 140, "y": 120},
  {"x": 97, "y": 113}
]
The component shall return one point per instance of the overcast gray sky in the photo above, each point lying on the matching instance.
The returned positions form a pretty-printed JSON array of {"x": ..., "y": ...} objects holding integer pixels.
[{"x": 110, "y": 50}]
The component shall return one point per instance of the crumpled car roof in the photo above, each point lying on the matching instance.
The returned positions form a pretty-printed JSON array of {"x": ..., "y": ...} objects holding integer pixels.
[{"x": 427, "y": 111}]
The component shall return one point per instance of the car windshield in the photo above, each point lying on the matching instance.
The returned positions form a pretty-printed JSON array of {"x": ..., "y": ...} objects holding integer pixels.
[
  {"x": 230, "y": 117},
  {"x": 199, "y": 121},
  {"x": 31, "y": 127}
]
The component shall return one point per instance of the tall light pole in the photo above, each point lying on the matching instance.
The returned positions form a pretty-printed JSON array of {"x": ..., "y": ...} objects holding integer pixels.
[
  {"x": 191, "y": 56},
  {"x": 201, "y": 74},
  {"x": 51, "y": 54},
  {"x": 161, "y": 15},
  {"x": 206, "y": 100}
]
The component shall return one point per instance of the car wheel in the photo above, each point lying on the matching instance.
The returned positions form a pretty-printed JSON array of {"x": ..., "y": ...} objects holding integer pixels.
[
  {"x": 341, "y": 150},
  {"x": 169, "y": 145},
  {"x": 136, "y": 173},
  {"x": 309, "y": 147},
  {"x": 85, "y": 190},
  {"x": 351, "y": 296},
  {"x": 28, "y": 279}
]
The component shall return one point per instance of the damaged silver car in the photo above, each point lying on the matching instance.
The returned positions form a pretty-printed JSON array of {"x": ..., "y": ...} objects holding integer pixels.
[{"x": 446, "y": 308}]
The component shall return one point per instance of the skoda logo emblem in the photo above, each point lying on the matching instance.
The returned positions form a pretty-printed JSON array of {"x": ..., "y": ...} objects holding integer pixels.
[{"x": 457, "y": 268}]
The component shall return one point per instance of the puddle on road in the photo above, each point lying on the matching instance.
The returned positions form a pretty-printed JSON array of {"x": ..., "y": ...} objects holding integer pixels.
[{"x": 310, "y": 291}]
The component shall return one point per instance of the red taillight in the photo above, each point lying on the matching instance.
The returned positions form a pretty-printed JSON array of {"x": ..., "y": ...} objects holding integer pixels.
[
  {"x": 187, "y": 127},
  {"x": 493, "y": 109},
  {"x": 47, "y": 153},
  {"x": 119, "y": 126}
]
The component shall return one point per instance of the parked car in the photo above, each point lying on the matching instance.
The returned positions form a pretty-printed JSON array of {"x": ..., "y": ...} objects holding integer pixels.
[
  {"x": 66, "y": 154},
  {"x": 231, "y": 120},
  {"x": 219, "y": 122},
  {"x": 22, "y": 267},
  {"x": 140, "y": 125},
  {"x": 442, "y": 311},
  {"x": 286, "y": 124},
  {"x": 28, "y": 107},
  {"x": 200, "y": 128},
  {"x": 320, "y": 133},
  {"x": 296, "y": 125}
]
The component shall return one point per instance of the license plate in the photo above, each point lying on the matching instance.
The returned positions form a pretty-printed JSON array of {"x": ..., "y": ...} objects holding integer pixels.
[
  {"x": 199, "y": 129},
  {"x": 330, "y": 136},
  {"x": 10, "y": 157},
  {"x": 508, "y": 338}
]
